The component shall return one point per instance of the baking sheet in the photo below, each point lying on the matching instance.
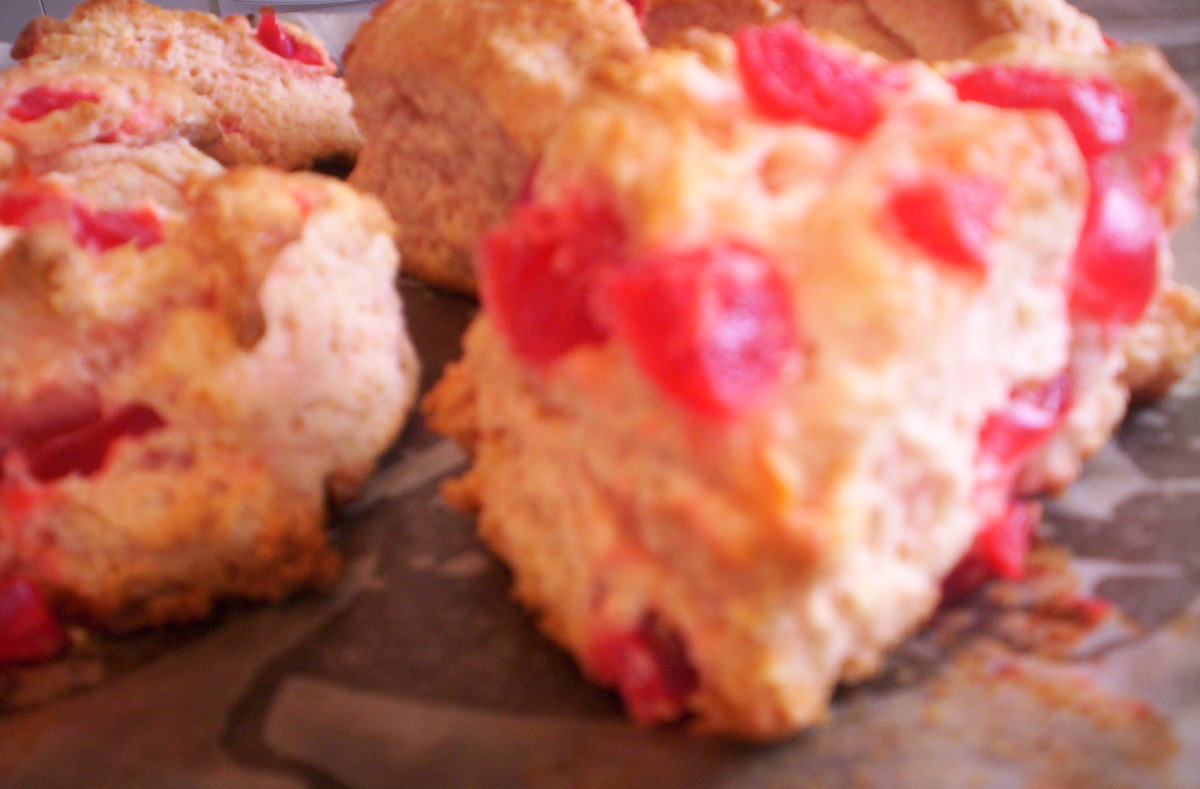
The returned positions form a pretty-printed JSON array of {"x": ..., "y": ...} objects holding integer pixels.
[{"x": 418, "y": 670}]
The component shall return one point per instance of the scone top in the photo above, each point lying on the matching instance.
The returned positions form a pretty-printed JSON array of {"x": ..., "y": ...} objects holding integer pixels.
[{"x": 688, "y": 178}]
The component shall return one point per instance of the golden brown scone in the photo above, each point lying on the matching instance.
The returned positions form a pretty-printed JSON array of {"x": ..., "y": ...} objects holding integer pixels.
[
  {"x": 456, "y": 98},
  {"x": 180, "y": 396},
  {"x": 114, "y": 175},
  {"x": 951, "y": 29},
  {"x": 725, "y": 406},
  {"x": 286, "y": 110}
]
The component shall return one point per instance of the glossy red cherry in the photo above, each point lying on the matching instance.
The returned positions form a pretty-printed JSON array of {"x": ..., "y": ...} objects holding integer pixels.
[
  {"x": 712, "y": 327},
  {"x": 83, "y": 448},
  {"x": 999, "y": 550},
  {"x": 950, "y": 216},
  {"x": 1096, "y": 110},
  {"x": 41, "y": 100},
  {"x": 789, "y": 75},
  {"x": 28, "y": 628},
  {"x": 649, "y": 667},
  {"x": 538, "y": 274},
  {"x": 272, "y": 36},
  {"x": 1115, "y": 271},
  {"x": 1033, "y": 414}
]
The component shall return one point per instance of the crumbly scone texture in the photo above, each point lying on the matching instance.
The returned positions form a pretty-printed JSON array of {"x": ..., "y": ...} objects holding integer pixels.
[
  {"x": 116, "y": 136},
  {"x": 175, "y": 415},
  {"x": 456, "y": 98},
  {"x": 48, "y": 107},
  {"x": 270, "y": 110},
  {"x": 788, "y": 549},
  {"x": 115, "y": 175}
]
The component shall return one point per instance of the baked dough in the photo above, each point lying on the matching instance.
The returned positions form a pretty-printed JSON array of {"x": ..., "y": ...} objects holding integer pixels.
[
  {"x": 287, "y": 110},
  {"x": 113, "y": 135},
  {"x": 182, "y": 395}
]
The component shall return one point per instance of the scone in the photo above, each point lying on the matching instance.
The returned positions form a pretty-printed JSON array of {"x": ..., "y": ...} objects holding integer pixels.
[
  {"x": 456, "y": 98},
  {"x": 771, "y": 355},
  {"x": 181, "y": 397},
  {"x": 113, "y": 135},
  {"x": 273, "y": 89}
]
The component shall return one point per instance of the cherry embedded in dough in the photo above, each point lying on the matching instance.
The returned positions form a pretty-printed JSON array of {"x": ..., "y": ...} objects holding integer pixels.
[
  {"x": 1115, "y": 271},
  {"x": 789, "y": 76},
  {"x": 29, "y": 202},
  {"x": 1096, "y": 110},
  {"x": 538, "y": 274},
  {"x": 649, "y": 667},
  {"x": 84, "y": 449},
  {"x": 1033, "y": 414},
  {"x": 28, "y": 629},
  {"x": 950, "y": 216},
  {"x": 272, "y": 36},
  {"x": 999, "y": 550},
  {"x": 712, "y": 327},
  {"x": 41, "y": 100}
]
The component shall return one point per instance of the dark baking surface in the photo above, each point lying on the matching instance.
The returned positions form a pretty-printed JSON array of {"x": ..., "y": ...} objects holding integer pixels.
[{"x": 419, "y": 671}]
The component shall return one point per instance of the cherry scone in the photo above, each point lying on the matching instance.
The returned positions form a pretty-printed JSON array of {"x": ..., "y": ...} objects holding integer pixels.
[{"x": 781, "y": 340}]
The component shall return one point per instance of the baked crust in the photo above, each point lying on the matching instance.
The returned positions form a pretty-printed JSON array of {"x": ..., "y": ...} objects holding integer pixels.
[{"x": 791, "y": 547}]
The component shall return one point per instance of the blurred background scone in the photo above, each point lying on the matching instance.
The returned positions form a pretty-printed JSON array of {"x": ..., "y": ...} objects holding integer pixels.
[{"x": 274, "y": 90}]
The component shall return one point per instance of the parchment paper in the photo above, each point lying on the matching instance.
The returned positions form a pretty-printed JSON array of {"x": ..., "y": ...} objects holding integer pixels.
[{"x": 418, "y": 670}]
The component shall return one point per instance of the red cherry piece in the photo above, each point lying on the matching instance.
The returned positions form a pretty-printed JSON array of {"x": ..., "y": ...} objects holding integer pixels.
[
  {"x": 108, "y": 228},
  {"x": 789, "y": 75},
  {"x": 19, "y": 501},
  {"x": 28, "y": 629},
  {"x": 1115, "y": 270},
  {"x": 950, "y": 217},
  {"x": 28, "y": 202},
  {"x": 31, "y": 202},
  {"x": 279, "y": 41},
  {"x": 713, "y": 327},
  {"x": 1096, "y": 110},
  {"x": 649, "y": 667},
  {"x": 41, "y": 100},
  {"x": 1031, "y": 417},
  {"x": 83, "y": 449},
  {"x": 537, "y": 274},
  {"x": 1000, "y": 550},
  {"x": 53, "y": 410}
]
